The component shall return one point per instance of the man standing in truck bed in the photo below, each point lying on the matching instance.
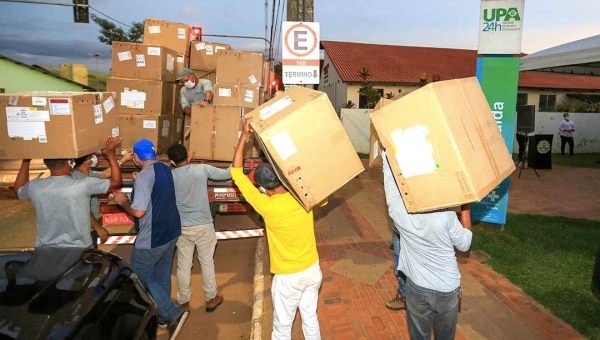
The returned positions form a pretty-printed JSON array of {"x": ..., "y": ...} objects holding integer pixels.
[{"x": 194, "y": 91}]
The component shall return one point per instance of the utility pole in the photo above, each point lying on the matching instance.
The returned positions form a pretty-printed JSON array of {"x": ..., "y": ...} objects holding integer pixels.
[
  {"x": 96, "y": 55},
  {"x": 301, "y": 10}
]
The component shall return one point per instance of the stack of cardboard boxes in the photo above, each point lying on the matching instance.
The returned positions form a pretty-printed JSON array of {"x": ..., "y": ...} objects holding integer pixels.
[{"x": 143, "y": 78}]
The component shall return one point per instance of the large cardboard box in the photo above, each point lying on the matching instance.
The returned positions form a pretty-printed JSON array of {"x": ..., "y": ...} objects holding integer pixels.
[
  {"x": 140, "y": 61},
  {"x": 178, "y": 127},
  {"x": 243, "y": 68},
  {"x": 374, "y": 143},
  {"x": 145, "y": 97},
  {"x": 158, "y": 129},
  {"x": 443, "y": 145},
  {"x": 302, "y": 136},
  {"x": 203, "y": 55},
  {"x": 172, "y": 35},
  {"x": 235, "y": 95},
  {"x": 55, "y": 124},
  {"x": 182, "y": 61},
  {"x": 216, "y": 131}
]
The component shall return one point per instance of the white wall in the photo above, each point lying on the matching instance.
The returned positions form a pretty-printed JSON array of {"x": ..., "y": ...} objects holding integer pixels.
[
  {"x": 336, "y": 90},
  {"x": 357, "y": 122},
  {"x": 587, "y": 130}
]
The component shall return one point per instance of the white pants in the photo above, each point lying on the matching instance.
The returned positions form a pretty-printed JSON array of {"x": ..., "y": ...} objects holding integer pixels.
[
  {"x": 203, "y": 239},
  {"x": 293, "y": 291}
]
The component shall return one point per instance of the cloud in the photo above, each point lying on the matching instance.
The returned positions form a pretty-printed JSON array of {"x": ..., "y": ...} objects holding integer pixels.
[
  {"x": 188, "y": 12},
  {"x": 41, "y": 46}
]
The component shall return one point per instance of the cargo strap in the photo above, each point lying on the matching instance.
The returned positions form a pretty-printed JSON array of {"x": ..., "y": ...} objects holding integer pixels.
[{"x": 221, "y": 235}]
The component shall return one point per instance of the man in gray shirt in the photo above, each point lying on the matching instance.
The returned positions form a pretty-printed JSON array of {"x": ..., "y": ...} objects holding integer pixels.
[
  {"x": 62, "y": 202},
  {"x": 428, "y": 259},
  {"x": 194, "y": 91},
  {"x": 197, "y": 229}
]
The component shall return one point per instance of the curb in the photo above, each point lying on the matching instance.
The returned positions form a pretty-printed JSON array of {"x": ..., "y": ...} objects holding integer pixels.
[{"x": 259, "y": 285}]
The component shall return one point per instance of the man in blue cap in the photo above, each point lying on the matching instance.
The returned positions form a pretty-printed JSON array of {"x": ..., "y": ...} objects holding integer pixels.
[{"x": 158, "y": 226}]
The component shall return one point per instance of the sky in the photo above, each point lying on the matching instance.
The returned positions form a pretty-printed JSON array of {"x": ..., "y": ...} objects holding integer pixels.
[{"x": 46, "y": 35}]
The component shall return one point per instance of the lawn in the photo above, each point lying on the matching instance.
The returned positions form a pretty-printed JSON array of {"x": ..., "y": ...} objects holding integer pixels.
[
  {"x": 551, "y": 259},
  {"x": 582, "y": 160}
]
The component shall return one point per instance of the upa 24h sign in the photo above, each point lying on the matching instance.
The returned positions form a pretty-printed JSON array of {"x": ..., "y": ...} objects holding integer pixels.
[
  {"x": 501, "y": 26},
  {"x": 301, "y": 53}
]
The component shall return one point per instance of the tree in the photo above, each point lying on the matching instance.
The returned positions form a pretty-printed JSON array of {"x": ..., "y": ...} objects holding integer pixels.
[
  {"x": 110, "y": 32},
  {"x": 278, "y": 69},
  {"x": 390, "y": 95},
  {"x": 368, "y": 90},
  {"x": 349, "y": 105}
]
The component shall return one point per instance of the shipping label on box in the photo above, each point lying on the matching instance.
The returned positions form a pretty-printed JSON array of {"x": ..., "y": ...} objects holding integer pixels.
[
  {"x": 146, "y": 97},
  {"x": 302, "y": 136},
  {"x": 203, "y": 55},
  {"x": 443, "y": 135},
  {"x": 172, "y": 35},
  {"x": 227, "y": 94},
  {"x": 143, "y": 62},
  {"x": 158, "y": 129}
]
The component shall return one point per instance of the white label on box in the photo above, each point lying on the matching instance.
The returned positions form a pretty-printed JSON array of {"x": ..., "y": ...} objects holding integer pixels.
[
  {"x": 413, "y": 152},
  {"x": 26, "y": 114},
  {"x": 126, "y": 89},
  {"x": 252, "y": 79},
  {"x": 170, "y": 63},
  {"x": 178, "y": 127},
  {"x": 98, "y": 114},
  {"x": 224, "y": 92},
  {"x": 132, "y": 96},
  {"x": 60, "y": 106},
  {"x": 284, "y": 145},
  {"x": 154, "y": 29},
  {"x": 218, "y": 48},
  {"x": 180, "y": 59},
  {"x": 115, "y": 132},
  {"x": 153, "y": 50},
  {"x": 38, "y": 101},
  {"x": 140, "y": 60},
  {"x": 275, "y": 107},
  {"x": 149, "y": 124},
  {"x": 181, "y": 33},
  {"x": 13, "y": 100},
  {"x": 124, "y": 55},
  {"x": 249, "y": 96},
  {"x": 101, "y": 95},
  {"x": 376, "y": 149},
  {"x": 43, "y": 139},
  {"x": 209, "y": 49},
  {"x": 200, "y": 46},
  {"x": 108, "y": 104},
  {"x": 26, "y": 130}
]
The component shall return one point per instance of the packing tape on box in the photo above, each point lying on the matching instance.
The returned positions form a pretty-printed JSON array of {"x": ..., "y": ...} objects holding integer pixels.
[{"x": 221, "y": 235}]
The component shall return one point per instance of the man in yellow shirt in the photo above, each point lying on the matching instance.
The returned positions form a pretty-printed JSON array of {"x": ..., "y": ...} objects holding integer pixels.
[{"x": 292, "y": 246}]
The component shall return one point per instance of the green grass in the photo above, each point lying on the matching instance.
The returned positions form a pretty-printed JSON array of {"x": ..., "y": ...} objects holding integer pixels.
[
  {"x": 582, "y": 160},
  {"x": 551, "y": 259}
]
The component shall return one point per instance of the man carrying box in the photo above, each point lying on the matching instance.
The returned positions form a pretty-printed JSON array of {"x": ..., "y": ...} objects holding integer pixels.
[
  {"x": 292, "y": 246},
  {"x": 428, "y": 259},
  {"x": 62, "y": 202},
  {"x": 194, "y": 91}
]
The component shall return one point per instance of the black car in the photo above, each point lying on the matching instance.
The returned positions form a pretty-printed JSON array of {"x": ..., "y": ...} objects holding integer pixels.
[{"x": 72, "y": 293}]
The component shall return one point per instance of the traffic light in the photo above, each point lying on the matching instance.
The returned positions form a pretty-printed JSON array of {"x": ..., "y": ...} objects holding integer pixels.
[
  {"x": 196, "y": 33},
  {"x": 81, "y": 12}
]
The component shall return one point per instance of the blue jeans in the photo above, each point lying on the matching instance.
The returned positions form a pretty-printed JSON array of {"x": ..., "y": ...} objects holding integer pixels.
[
  {"x": 399, "y": 275},
  {"x": 153, "y": 266},
  {"x": 428, "y": 309}
]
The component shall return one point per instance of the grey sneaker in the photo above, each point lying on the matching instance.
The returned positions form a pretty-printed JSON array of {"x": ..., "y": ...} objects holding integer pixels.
[{"x": 397, "y": 303}]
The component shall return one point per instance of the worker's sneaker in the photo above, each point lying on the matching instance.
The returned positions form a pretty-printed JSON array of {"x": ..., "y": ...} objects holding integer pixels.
[
  {"x": 185, "y": 306},
  {"x": 211, "y": 305},
  {"x": 397, "y": 303},
  {"x": 175, "y": 326}
]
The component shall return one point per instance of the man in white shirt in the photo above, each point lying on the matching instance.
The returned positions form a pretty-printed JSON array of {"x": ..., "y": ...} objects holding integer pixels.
[{"x": 565, "y": 129}]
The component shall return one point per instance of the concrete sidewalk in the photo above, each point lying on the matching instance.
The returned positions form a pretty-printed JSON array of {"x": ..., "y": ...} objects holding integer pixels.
[{"x": 353, "y": 237}]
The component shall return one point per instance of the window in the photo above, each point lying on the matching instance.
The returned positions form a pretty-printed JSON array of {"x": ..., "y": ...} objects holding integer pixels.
[
  {"x": 547, "y": 103},
  {"x": 522, "y": 99},
  {"x": 362, "y": 100}
]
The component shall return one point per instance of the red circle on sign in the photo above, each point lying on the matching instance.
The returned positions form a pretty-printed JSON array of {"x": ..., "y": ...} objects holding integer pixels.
[{"x": 291, "y": 50}]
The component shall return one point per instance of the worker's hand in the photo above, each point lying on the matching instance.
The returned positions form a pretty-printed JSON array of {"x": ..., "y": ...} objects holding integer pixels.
[
  {"x": 102, "y": 233},
  {"x": 246, "y": 129},
  {"x": 190, "y": 156},
  {"x": 110, "y": 145},
  {"x": 127, "y": 157},
  {"x": 134, "y": 175},
  {"x": 203, "y": 104},
  {"x": 120, "y": 198}
]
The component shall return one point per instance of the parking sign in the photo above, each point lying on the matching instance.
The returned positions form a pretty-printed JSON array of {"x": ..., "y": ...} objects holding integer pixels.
[{"x": 301, "y": 53}]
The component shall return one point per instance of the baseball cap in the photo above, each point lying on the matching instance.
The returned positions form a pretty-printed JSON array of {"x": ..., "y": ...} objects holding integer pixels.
[
  {"x": 183, "y": 72},
  {"x": 265, "y": 176},
  {"x": 144, "y": 149}
]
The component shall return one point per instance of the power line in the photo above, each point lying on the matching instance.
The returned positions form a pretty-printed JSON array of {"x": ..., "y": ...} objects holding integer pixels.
[
  {"x": 278, "y": 35},
  {"x": 111, "y": 18}
]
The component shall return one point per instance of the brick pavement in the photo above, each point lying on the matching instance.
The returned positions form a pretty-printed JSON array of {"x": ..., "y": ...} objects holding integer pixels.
[{"x": 493, "y": 308}]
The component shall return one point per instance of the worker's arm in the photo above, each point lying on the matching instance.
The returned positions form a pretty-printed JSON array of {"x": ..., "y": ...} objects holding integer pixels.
[
  {"x": 207, "y": 87},
  {"x": 185, "y": 104},
  {"x": 107, "y": 173},
  {"x": 115, "y": 169},
  {"x": 122, "y": 200},
  {"x": 465, "y": 216},
  {"x": 99, "y": 229},
  {"x": 22, "y": 177},
  {"x": 142, "y": 187}
]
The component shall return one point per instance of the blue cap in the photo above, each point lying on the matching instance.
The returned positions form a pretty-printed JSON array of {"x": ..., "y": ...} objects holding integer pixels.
[{"x": 144, "y": 149}]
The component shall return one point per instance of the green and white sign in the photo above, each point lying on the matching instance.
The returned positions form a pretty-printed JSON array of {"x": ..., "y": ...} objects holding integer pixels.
[{"x": 501, "y": 26}]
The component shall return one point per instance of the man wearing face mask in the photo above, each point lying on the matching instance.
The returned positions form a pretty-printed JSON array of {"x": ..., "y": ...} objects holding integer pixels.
[
  {"x": 565, "y": 129},
  {"x": 194, "y": 90},
  {"x": 62, "y": 202}
]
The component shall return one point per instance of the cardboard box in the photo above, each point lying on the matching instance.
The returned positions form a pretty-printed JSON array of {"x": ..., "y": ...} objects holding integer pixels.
[
  {"x": 55, "y": 124},
  {"x": 210, "y": 75},
  {"x": 176, "y": 88},
  {"x": 172, "y": 35},
  {"x": 267, "y": 74},
  {"x": 178, "y": 128},
  {"x": 301, "y": 134},
  {"x": 158, "y": 129},
  {"x": 215, "y": 133},
  {"x": 146, "y": 62},
  {"x": 245, "y": 68},
  {"x": 444, "y": 145},
  {"x": 182, "y": 61},
  {"x": 145, "y": 97},
  {"x": 374, "y": 143},
  {"x": 234, "y": 95},
  {"x": 203, "y": 55}
]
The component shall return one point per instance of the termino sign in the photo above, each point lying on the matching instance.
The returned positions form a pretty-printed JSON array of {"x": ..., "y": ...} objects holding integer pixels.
[{"x": 300, "y": 55}]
